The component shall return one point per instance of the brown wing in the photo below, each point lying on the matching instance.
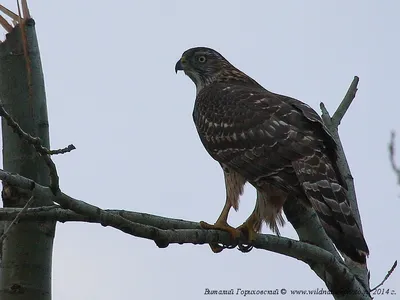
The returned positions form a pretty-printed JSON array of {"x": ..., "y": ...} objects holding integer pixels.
[
  {"x": 271, "y": 138},
  {"x": 254, "y": 132}
]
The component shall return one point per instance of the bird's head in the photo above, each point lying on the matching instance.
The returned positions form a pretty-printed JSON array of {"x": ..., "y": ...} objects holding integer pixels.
[{"x": 204, "y": 66}]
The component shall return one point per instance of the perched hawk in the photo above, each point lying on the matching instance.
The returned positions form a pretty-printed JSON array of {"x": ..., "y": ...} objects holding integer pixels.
[{"x": 276, "y": 143}]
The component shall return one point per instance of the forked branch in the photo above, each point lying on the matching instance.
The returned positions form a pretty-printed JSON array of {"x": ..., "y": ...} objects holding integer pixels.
[{"x": 36, "y": 142}]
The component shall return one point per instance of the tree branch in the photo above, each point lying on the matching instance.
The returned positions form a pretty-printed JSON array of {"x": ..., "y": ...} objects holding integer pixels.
[
  {"x": 190, "y": 232},
  {"x": 309, "y": 231},
  {"x": 386, "y": 277},
  {"x": 342, "y": 161},
  {"x": 57, "y": 213},
  {"x": 332, "y": 125},
  {"x": 36, "y": 142},
  {"x": 392, "y": 154},
  {"x": 345, "y": 104},
  {"x": 16, "y": 218},
  {"x": 308, "y": 227}
]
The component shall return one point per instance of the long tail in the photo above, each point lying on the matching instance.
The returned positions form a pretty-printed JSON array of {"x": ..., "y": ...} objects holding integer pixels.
[{"x": 319, "y": 182}]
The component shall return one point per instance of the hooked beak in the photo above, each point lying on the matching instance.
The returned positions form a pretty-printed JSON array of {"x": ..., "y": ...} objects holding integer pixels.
[{"x": 179, "y": 65}]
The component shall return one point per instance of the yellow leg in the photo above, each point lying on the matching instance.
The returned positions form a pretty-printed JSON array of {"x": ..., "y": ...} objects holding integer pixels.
[
  {"x": 222, "y": 224},
  {"x": 248, "y": 227}
]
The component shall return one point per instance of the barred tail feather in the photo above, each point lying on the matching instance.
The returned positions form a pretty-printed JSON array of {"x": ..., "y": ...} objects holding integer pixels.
[{"x": 320, "y": 185}]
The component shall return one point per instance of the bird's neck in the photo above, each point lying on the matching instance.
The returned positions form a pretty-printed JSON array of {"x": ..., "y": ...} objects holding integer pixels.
[
  {"x": 236, "y": 76},
  {"x": 232, "y": 75}
]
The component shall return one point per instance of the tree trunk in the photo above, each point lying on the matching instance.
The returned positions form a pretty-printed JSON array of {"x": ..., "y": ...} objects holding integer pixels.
[{"x": 25, "y": 270}]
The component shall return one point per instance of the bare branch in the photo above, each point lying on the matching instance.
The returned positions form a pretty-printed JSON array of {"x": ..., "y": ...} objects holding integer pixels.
[
  {"x": 342, "y": 164},
  {"x": 67, "y": 149},
  {"x": 306, "y": 252},
  {"x": 80, "y": 207},
  {"x": 332, "y": 125},
  {"x": 387, "y": 276},
  {"x": 308, "y": 227},
  {"x": 5, "y": 24},
  {"x": 345, "y": 104},
  {"x": 57, "y": 213},
  {"x": 20, "y": 18},
  {"x": 9, "y": 13},
  {"x": 34, "y": 141},
  {"x": 38, "y": 145},
  {"x": 17, "y": 217},
  {"x": 25, "y": 10},
  {"x": 392, "y": 154}
]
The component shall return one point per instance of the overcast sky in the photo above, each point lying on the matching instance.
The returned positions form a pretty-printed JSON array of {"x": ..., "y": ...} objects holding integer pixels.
[{"x": 113, "y": 93}]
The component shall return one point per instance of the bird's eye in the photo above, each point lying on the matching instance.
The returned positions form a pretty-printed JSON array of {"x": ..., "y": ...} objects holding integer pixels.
[{"x": 202, "y": 59}]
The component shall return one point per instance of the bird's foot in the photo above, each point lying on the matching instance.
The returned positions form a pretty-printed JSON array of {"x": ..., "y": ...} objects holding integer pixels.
[
  {"x": 247, "y": 229},
  {"x": 234, "y": 232},
  {"x": 224, "y": 226}
]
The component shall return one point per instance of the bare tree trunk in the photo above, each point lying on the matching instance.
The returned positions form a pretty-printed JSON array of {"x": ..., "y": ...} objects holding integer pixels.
[{"x": 25, "y": 271}]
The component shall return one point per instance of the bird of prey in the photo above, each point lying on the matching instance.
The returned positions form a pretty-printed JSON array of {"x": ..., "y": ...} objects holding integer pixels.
[{"x": 276, "y": 143}]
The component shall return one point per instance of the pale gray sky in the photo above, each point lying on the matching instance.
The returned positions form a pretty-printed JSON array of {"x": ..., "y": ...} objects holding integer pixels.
[{"x": 113, "y": 93}]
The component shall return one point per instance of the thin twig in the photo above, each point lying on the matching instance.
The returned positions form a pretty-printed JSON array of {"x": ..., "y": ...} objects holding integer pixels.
[
  {"x": 17, "y": 217},
  {"x": 25, "y": 9},
  {"x": 387, "y": 276},
  {"x": 392, "y": 154},
  {"x": 8, "y": 12},
  {"x": 345, "y": 104},
  {"x": 67, "y": 149},
  {"x": 5, "y": 24},
  {"x": 36, "y": 142}
]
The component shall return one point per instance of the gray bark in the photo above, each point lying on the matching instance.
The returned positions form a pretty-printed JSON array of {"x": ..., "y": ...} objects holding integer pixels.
[
  {"x": 165, "y": 231},
  {"x": 25, "y": 270}
]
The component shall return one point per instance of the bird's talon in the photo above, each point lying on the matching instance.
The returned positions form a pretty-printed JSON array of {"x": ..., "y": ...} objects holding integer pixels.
[
  {"x": 230, "y": 246},
  {"x": 216, "y": 248},
  {"x": 234, "y": 233},
  {"x": 245, "y": 248},
  {"x": 247, "y": 230}
]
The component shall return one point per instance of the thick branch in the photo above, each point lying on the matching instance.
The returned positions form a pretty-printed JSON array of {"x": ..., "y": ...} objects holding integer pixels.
[
  {"x": 332, "y": 125},
  {"x": 57, "y": 213},
  {"x": 189, "y": 234},
  {"x": 308, "y": 227}
]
